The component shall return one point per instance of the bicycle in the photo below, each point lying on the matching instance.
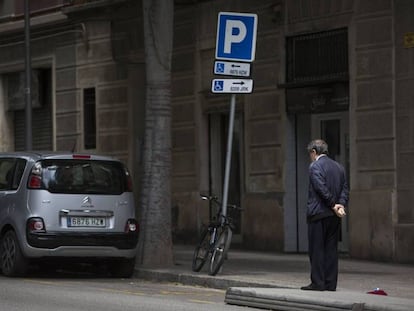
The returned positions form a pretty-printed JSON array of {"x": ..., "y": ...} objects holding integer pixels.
[{"x": 215, "y": 239}]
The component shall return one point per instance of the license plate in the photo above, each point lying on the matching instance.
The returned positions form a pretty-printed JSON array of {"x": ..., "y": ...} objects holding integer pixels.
[{"x": 86, "y": 222}]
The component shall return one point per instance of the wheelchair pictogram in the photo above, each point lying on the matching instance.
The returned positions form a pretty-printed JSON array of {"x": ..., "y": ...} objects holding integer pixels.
[
  {"x": 218, "y": 85},
  {"x": 219, "y": 67}
]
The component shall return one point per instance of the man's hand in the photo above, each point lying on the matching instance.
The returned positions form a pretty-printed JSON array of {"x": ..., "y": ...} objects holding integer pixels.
[{"x": 339, "y": 210}]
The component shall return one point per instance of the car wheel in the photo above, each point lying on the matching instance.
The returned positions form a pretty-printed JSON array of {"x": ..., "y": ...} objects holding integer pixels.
[
  {"x": 123, "y": 268},
  {"x": 13, "y": 263}
]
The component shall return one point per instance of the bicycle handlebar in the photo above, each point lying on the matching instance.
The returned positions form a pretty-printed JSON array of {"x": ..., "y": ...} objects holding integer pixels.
[{"x": 216, "y": 200}]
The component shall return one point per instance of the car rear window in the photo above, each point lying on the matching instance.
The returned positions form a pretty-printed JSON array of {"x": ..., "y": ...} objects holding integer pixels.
[{"x": 83, "y": 176}]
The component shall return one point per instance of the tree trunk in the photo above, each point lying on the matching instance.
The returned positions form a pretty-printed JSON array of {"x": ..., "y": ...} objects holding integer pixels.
[{"x": 156, "y": 238}]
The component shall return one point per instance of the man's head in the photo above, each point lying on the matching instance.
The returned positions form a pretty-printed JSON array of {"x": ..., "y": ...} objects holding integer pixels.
[{"x": 317, "y": 147}]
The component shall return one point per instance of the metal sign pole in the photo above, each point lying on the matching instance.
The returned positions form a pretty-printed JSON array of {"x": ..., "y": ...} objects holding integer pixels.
[
  {"x": 228, "y": 155},
  {"x": 235, "y": 41}
]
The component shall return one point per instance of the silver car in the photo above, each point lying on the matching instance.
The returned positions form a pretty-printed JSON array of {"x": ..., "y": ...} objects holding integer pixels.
[{"x": 66, "y": 206}]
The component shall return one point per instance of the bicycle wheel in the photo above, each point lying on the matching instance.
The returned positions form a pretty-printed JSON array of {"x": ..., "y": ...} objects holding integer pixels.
[
  {"x": 221, "y": 247},
  {"x": 202, "y": 250}
]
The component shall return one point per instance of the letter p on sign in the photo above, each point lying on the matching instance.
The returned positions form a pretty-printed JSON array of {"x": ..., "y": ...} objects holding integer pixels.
[
  {"x": 236, "y": 36},
  {"x": 235, "y": 33}
]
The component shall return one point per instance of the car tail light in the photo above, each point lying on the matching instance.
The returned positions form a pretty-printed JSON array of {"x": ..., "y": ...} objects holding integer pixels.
[
  {"x": 131, "y": 226},
  {"x": 35, "y": 177},
  {"x": 35, "y": 182},
  {"x": 36, "y": 225}
]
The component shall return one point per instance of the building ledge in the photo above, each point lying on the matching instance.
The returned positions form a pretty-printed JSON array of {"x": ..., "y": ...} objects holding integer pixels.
[
  {"x": 90, "y": 5},
  {"x": 37, "y": 21}
]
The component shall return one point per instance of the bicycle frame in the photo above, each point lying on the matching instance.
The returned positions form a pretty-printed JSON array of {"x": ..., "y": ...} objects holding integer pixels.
[{"x": 219, "y": 234}]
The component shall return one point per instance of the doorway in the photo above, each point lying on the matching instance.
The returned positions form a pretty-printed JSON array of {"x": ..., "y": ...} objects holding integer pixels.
[
  {"x": 218, "y": 133},
  {"x": 334, "y": 129}
]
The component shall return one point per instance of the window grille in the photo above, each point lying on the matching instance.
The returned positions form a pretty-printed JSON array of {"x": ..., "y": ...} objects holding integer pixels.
[{"x": 317, "y": 57}]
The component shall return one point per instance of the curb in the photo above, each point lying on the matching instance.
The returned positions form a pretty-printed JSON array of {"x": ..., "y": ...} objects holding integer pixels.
[
  {"x": 285, "y": 301},
  {"x": 198, "y": 280},
  {"x": 296, "y": 300},
  {"x": 275, "y": 297}
]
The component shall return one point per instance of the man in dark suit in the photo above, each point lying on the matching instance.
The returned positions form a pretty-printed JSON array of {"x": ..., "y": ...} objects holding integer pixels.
[{"x": 328, "y": 196}]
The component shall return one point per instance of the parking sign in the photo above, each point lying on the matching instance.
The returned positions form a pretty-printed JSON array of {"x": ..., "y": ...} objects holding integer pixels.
[{"x": 236, "y": 36}]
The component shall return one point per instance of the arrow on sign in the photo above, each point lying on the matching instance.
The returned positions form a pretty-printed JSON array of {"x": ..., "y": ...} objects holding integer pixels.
[
  {"x": 232, "y": 69},
  {"x": 232, "y": 86}
]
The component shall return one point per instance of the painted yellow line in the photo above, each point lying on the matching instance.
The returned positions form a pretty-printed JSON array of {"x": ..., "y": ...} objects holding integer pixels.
[
  {"x": 40, "y": 282},
  {"x": 202, "y": 301},
  {"x": 120, "y": 291},
  {"x": 168, "y": 292}
]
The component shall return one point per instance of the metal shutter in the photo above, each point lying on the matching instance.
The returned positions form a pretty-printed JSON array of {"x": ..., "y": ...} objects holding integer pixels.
[{"x": 42, "y": 130}]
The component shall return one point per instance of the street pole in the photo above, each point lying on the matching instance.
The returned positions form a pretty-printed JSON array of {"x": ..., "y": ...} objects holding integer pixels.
[
  {"x": 28, "y": 81},
  {"x": 228, "y": 155}
]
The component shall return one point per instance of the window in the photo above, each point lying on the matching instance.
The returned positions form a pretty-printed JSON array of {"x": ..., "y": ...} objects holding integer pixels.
[
  {"x": 89, "y": 118},
  {"x": 42, "y": 127},
  {"x": 86, "y": 177},
  {"x": 317, "y": 57}
]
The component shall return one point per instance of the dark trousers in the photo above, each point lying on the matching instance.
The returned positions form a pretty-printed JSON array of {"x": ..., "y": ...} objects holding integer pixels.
[{"x": 323, "y": 237}]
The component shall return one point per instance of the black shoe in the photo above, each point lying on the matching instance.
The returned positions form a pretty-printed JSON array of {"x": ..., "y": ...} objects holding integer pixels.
[
  {"x": 312, "y": 287},
  {"x": 331, "y": 289}
]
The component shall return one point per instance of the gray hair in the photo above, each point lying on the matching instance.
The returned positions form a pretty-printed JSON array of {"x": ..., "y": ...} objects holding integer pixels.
[{"x": 319, "y": 145}]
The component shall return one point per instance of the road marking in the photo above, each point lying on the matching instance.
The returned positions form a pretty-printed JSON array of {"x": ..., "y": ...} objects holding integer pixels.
[
  {"x": 40, "y": 282},
  {"x": 202, "y": 301},
  {"x": 122, "y": 291}
]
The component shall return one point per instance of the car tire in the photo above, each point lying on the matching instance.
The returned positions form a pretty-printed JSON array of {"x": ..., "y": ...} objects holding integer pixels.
[
  {"x": 123, "y": 268},
  {"x": 13, "y": 263}
]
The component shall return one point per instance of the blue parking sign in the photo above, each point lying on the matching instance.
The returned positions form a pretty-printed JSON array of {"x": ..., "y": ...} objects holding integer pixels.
[{"x": 236, "y": 36}]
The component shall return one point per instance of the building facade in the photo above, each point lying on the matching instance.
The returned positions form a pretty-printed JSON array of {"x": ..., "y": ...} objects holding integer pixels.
[{"x": 341, "y": 70}]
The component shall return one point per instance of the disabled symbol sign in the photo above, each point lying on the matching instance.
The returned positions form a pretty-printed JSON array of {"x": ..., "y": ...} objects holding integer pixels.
[{"x": 232, "y": 86}]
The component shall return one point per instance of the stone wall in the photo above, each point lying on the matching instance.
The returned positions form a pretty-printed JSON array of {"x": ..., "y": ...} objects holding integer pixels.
[
  {"x": 187, "y": 209},
  {"x": 373, "y": 156},
  {"x": 404, "y": 98},
  {"x": 68, "y": 97}
]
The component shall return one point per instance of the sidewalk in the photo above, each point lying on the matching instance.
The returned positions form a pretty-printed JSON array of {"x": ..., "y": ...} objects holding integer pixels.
[{"x": 272, "y": 281}]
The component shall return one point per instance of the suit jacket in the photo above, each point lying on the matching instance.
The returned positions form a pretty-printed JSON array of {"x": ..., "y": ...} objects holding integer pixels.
[{"x": 327, "y": 187}]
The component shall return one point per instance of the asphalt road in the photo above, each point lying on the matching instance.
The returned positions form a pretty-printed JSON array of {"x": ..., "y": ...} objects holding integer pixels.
[{"x": 64, "y": 292}]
